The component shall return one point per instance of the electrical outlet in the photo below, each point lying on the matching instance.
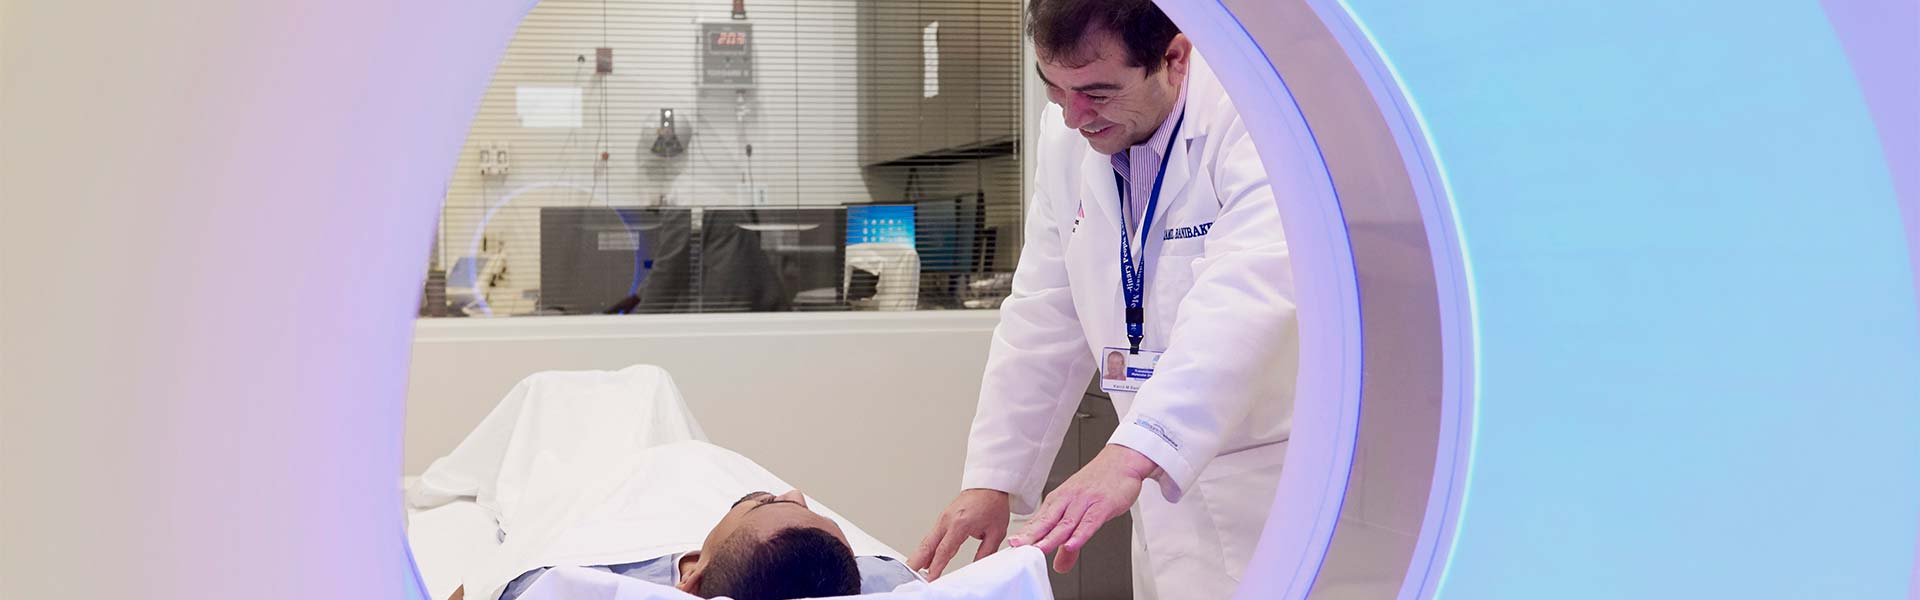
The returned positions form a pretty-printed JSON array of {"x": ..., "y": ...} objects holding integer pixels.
[{"x": 496, "y": 159}]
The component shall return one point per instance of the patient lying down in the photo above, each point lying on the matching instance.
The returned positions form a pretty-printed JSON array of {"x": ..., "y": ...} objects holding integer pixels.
[{"x": 646, "y": 518}]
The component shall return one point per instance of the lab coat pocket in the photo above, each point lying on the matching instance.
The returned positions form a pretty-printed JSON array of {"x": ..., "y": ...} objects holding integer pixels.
[{"x": 1239, "y": 491}]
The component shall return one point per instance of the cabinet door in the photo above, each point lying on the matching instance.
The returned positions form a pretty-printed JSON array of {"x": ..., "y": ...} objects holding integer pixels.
[
  {"x": 953, "y": 71},
  {"x": 979, "y": 73},
  {"x": 939, "y": 76},
  {"x": 889, "y": 80},
  {"x": 1000, "y": 73}
]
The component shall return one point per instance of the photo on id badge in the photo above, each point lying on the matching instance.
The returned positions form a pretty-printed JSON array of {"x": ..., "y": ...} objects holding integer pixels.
[{"x": 1122, "y": 371}]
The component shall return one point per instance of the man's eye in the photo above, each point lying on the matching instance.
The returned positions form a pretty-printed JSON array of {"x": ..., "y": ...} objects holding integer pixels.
[{"x": 1099, "y": 99}]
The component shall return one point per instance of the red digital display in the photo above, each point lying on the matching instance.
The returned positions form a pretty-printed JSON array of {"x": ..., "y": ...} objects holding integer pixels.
[{"x": 730, "y": 38}]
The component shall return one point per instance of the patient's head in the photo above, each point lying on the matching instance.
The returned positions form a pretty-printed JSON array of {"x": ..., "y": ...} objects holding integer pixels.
[{"x": 771, "y": 547}]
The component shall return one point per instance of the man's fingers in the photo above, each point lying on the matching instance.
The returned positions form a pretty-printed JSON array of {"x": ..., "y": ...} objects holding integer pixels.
[
  {"x": 1082, "y": 528},
  {"x": 949, "y": 546},
  {"x": 1049, "y": 513},
  {"x": 991, "y": 543},
  {"x": 1090, "y": 523},
  {"x": 1063, "y": 529},
  {"x": 1064, "y": 560},
  {"x": 1023, "y": 537},
  {"x": 924, "y": 554}
]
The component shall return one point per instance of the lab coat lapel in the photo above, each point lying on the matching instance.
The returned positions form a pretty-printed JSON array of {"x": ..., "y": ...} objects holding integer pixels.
[
  {"x": 1179, "y": 174},
  {"x": 1202, "y": 91},
  {"x": 1097, "y": 286},
  {"x": 1096, "y": 173}
]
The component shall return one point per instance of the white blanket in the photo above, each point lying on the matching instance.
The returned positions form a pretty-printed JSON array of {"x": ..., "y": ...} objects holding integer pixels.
[
  {"x": 614, "y": 510},
  {"x": 1013, "y": 574},
  {"x": 563, "y": 413},
  {"x": 567, "y": 470}
]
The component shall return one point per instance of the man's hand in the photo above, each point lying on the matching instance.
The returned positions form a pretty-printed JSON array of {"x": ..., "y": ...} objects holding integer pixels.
[
  {"x": 1102, "y": 490},
  {"x": 977, "y": 513}
]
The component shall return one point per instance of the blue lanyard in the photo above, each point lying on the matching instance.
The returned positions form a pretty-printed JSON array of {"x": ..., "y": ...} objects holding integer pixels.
[{"x": 1133, "y": 279}]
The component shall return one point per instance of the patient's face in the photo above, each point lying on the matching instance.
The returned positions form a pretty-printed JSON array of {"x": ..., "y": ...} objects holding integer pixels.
[{"x": 762, "y": 514}]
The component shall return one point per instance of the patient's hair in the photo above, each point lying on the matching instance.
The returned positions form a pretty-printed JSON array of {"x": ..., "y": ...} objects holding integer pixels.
[{"x": 797, "y": 562}]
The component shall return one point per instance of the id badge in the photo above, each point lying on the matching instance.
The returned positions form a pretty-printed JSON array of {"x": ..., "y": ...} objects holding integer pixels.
[{"x": 1122, "y": 371}]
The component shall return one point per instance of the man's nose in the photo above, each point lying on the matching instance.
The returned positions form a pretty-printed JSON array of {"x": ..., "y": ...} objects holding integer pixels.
[
  {"x": 1078, "y": 111},
  {"x": 793, "y": 496}
]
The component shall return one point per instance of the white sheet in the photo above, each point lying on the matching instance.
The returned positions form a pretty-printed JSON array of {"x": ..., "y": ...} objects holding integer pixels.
[
  {"x": 556, "y": 431},
  {"x": 619, "y": 509},
  {"x": 454, "y": 507},
  {"x": 1013, "y": 574},
  {"x": 445, "y": 540},
  {"x": 566, "y": 413}
]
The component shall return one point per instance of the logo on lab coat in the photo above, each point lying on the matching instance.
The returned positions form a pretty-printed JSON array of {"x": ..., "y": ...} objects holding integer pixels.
[{"x": 1158, "y": 430}]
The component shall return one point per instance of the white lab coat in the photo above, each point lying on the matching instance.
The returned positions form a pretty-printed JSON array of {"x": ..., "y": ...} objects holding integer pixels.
[{"x": 1217, "y": 412}]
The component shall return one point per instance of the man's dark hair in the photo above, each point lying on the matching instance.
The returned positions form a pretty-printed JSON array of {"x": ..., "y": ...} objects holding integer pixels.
[
  {"x": 1057, "y": 27},
  {"x": 797, "y": 562}
]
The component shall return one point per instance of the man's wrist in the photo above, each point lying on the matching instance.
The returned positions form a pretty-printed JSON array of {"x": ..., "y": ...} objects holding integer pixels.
[{"x": 1131, "y": 463}]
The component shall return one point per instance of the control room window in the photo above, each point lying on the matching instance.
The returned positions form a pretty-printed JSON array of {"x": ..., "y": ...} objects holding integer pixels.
[{"x": 682, "y": 156}]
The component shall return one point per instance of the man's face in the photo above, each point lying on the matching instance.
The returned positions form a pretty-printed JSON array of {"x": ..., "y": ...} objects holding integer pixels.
[
  {"x": 762, "y": 514},
  {"x": 1113, "y": 105}
]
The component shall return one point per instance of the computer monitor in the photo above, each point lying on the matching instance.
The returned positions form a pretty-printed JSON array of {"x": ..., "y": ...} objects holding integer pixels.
[
  {"x": 950, "y": 234},
  {"x": 881, "y": 223},
  {"x": 593, "y": 259},
  {"x": 652, "y": 260},
  {"x": 761, "y": 259}
]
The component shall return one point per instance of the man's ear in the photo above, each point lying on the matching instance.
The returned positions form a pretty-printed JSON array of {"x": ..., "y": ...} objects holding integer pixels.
[
  {"x": 692, "y": 570},
  {"x": 1179, "y": 54}
]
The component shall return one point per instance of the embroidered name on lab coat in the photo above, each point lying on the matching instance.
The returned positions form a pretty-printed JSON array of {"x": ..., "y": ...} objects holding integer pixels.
[{"x": 1181, "y": 233}]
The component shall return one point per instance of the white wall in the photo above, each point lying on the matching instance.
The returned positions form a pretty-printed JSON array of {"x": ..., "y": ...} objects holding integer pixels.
[{"x": 867, "y": 411}]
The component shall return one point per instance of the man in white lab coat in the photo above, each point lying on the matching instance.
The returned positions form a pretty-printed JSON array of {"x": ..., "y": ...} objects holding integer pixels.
[{"x": 1152, "y": 231}]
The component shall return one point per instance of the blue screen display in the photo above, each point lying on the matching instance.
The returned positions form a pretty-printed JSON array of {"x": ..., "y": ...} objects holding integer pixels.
[{"x": 892, "y": 224}]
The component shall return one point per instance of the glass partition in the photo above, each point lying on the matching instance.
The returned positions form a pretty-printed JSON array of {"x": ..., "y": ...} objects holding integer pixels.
[{"x": 681, "y": 156}]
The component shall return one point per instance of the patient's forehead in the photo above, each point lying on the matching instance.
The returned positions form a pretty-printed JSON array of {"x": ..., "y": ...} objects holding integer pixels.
[
  {"x": 781, "y": 512},
  {"x": 756, "y": 529},
  {"x": 750, "y": 496}
]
